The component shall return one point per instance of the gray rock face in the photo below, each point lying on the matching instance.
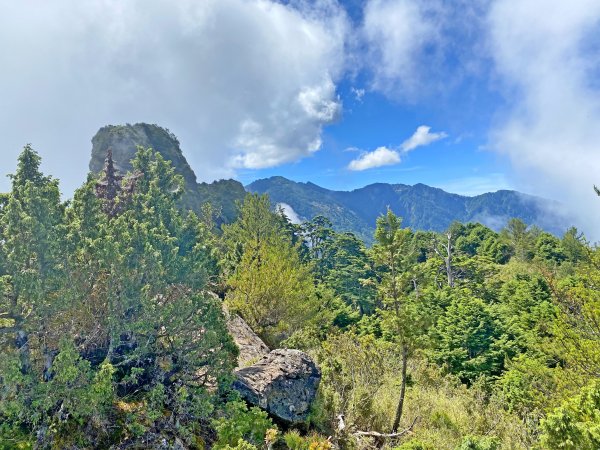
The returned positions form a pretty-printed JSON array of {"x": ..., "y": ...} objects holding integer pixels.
[
  {"x": 251, "y": 347},
  {"x": 284, "y": 383},
  {"x": 124, "y": 139}
]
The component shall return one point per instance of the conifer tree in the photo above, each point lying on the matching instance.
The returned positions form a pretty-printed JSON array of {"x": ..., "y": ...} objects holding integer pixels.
[
  {"x": 269, "y": 285},
  {"x": 402, "y": 318}
]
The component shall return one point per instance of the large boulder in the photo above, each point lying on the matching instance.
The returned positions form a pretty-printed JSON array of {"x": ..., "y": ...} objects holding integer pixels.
[{"x": 284, "y": 383}]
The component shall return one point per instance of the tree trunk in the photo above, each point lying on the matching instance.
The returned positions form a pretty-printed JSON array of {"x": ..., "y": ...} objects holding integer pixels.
[
  {"x": 449, "y": 261},
  {"x": 402, "y": 390},
  {"x": 22, "y": 345}
]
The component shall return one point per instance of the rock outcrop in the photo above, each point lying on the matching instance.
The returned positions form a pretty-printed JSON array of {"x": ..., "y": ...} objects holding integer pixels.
[
  {"x": 252, "y": 348},
  {"x": 124, "y": 139},
  {"x": 284, "y": 383}
]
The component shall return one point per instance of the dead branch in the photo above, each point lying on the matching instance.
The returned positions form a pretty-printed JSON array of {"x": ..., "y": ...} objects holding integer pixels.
[{"x": 376, "y": 434}]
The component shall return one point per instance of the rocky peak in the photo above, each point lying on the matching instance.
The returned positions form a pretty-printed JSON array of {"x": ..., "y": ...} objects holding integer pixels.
[{"x": 122, "y": 141}]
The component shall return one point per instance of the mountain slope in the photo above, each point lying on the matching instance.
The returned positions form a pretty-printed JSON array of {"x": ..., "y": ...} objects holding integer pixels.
[
  {"x": 422, "y": 207},
  {"x": 124, "y": 139}
]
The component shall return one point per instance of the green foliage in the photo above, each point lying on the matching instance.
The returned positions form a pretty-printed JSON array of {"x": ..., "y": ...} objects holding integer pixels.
[
  {"x": 270, "y": 287},
  {"x": 342, "y": 263},
  {"x": 104, "y": 312},
  {"x": 573, "y": 245},
  {"x": 479, "y": 443},
  {"x": 358, "y": 372},
  {"x": 470, "y": 340},
  {"x": 241, "y": 445},
  {"x": 575, "y": 424},
  {"x": 294, "y": 441},
  {"x": 520, "y": 239},
  {"x": 528, "y": 387},
  {"x": 549, "y": 248},
  {"x": 111, "y": 336},
  {"x": 578, "y": 328},
  {"x": 241, "y": 424},
  {"x": 414, "y": 444}
]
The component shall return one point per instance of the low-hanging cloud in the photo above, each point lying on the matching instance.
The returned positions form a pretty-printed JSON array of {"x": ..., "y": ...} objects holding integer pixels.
[
  {"x": 289, "y": 212},
  {"x": 550, "y": 62},
  {"x": 242, "y": 83}
]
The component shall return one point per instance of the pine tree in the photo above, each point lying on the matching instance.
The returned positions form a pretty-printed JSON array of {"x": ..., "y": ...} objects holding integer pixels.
[
  {"x": 33, "y": 234},
  {"x": 269, "y": 285},
  {"x": 109, "y": 186},
  {"x": 401, "y": 316}
]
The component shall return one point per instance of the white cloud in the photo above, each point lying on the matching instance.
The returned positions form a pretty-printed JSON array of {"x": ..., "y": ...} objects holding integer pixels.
[
  {"x": 384, "y": 156},
  {"x": 242, "y": 83},
  {"x": 422, "y": 137},
  {"x": 396, "y": 31},
  {"x": 425, "y": 48},
  {"x": 381, "y": 156},
  {"x": 547, "y": 53},
  {"x": 290, "y": 213}
]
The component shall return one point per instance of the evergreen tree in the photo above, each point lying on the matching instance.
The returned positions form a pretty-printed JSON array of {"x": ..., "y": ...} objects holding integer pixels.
[
  {"x": 270, "y": 287},
  {"x": 107, "y": 311},
  {"x": 401, "y": 314}
]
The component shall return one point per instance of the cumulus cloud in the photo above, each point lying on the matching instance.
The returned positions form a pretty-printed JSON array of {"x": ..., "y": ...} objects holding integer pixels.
[
  {"x": 422, "y": 137},
  {"x": 550, "y": 64},
  {"x": 384, "y": 156},
  {"x": 220, "y": 74},
  {"x": 381, "y": 156}
]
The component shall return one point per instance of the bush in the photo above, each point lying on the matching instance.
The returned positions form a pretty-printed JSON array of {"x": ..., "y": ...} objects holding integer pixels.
[{"x": 241, "y": 424}]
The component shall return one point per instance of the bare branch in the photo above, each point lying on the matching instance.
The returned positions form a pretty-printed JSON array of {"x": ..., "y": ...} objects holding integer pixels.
[{"x": 387, "y": 435}]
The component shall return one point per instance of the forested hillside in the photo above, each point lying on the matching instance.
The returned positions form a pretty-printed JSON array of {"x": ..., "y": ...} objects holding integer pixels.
[
  {"x": 422, "y": 207},
  {"x": 113, "y": 332}
]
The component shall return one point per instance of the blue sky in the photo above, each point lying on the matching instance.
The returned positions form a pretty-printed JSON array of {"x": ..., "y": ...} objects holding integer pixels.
[
  {"x": 469, "y": 96},
  {"x": 458, "y": 162}
]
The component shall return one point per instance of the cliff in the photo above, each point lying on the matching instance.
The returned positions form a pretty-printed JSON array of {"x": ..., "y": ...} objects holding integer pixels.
[{"x": 124, "y": 140}]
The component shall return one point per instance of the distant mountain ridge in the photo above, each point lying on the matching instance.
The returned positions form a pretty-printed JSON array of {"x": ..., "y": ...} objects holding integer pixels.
[{"x": 422, "y": 207}]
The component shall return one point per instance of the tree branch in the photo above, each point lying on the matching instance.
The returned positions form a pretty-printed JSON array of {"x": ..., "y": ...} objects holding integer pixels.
[{"x": 387, "y": 435}]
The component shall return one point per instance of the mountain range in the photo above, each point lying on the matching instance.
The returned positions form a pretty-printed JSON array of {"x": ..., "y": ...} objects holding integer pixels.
[{"x": 422, "y": 207}]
